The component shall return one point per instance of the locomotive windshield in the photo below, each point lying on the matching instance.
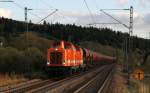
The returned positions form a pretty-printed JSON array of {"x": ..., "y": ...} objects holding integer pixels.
[{"x": 56, "y": 44}]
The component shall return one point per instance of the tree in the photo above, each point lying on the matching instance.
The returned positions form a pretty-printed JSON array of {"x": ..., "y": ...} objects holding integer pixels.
[{"x": 44, "y": 22}]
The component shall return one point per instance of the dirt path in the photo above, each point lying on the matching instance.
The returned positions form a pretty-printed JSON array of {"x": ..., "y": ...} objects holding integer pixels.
[
  {"x": 143, "y": 88},
  {"x": 6, "y": 79},
  {"x": 118, "y": 84}
]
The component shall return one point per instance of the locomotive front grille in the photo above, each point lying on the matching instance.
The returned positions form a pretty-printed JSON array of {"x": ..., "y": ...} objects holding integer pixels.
[{"x": 56, "y": 58}]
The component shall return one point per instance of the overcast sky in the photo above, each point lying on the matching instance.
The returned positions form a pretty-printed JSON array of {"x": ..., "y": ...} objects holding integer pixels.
[{"x": 76, "y": 11}]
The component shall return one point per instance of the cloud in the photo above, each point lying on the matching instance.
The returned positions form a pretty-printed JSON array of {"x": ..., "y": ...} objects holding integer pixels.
[
  {"x": 98, "y": 18},
  {"x": 5, "y": 13},
  {"x": 144, "y": 3},
  {"x": 122, "y": 1},
  {"x": 141, "y": 21},
  {"x": 102, "y": 18},
  {"x": 60, "y": 16},
  {"x": 147, "y": 18}
]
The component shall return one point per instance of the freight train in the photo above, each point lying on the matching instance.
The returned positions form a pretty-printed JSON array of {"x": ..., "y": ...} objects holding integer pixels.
[{"x": 65, "y": 57}]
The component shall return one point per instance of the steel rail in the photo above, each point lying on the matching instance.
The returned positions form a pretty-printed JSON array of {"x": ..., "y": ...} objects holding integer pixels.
[
  {"x": 105, "y": 82},
  {"x": 92, "y": 86},
  {"x": 27, "y": 87},
  {"x": 11, "y": 87},
  {"x": 63, "y": 84}
]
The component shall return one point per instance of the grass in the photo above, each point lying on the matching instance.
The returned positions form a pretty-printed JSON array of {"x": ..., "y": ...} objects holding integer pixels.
[
  {"x": 119, "y": 81},
  {"x": 6, "y": 79}
]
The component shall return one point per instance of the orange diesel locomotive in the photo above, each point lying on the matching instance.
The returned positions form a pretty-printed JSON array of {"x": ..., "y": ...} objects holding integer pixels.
[{"x": 65, "y": 56}]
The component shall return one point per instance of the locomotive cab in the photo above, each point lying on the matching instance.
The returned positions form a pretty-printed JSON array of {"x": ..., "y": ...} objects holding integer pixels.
[
  {"x": 55, "y": 53},
  {"x": 64, "y": 54}
]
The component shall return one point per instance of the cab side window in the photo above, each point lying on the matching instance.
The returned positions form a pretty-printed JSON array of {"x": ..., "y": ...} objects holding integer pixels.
[
  {"x": 77, "y": 48},
  {"x": 67, "y": 46}
]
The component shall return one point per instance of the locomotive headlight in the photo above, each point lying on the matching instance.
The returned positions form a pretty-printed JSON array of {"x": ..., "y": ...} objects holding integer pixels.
[
  {"x": 48, "y": 63},
  {"x": 64, "y": 62}
]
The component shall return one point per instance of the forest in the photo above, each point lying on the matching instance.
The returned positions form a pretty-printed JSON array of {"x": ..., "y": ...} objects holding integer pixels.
[{"x": 13, "y": 41}]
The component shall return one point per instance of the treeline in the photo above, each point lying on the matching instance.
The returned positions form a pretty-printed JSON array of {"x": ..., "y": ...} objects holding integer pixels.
[
  {"x": 70, "y": 32},
  {"x": 12, "y": 34},
  {"x": 105, "y": 36}
]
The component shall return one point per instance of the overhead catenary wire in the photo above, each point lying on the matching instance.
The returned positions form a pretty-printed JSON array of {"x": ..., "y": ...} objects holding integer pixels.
[
  {"x": 149, "y": 35},
  {"x": 41, "y": 9},
  {"x": 49, "y": 6},
  {"x": 92, "y": 17},
  {"x": 60, "y": 12},
  {"x": 104, "y": 23},
  {"x": 115, "y": 9},
  {"x": 47, "y": 16},
  {"x": 34, "y": 15},
  {"x": 96, "y": 4},
  {"x": 19, "y": 6},
  {"x": 115, "y": 19},
  {"x": 6, "y": 1}
]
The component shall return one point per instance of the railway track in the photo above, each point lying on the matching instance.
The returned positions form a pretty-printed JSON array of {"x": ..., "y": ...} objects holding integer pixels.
[
  {"x": 22, "y": 87},
  {"x": 98, "y": 84},
  {"x": 94, "y": 81},
  {"x": 78, "y": 84},
  {"x": 12, "y": 86},
  {"x": 6, "y": 85}
]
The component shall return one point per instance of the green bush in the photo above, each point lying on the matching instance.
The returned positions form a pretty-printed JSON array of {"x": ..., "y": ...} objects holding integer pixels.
[
  {"x": 34, "y": 40},
  {"x": 17, "y": 58},
  {"x": 27, "y": 61},
  {"x": 35, "y": 58},
  {"x": 11, "y": 60}
]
